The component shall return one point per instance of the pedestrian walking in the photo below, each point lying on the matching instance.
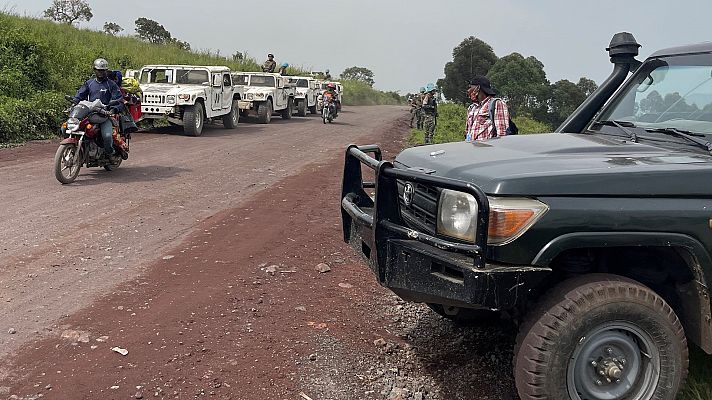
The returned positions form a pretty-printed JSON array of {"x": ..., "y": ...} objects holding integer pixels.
[{"x": 487, "y": 116}]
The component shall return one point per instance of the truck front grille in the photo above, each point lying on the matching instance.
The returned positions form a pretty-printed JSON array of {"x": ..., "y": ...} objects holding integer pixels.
[
  {"x": 422, "y": 210},
  {"x": 154, "y": 99}
]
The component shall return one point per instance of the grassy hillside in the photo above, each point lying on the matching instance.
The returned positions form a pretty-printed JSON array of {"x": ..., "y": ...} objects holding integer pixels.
[
  {"x": 358, "y": 93},
  {"x": 41, "y": 61}
]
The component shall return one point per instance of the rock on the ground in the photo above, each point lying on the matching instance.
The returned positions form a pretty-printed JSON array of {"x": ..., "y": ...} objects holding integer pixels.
[{"x": 322, "y": 268}]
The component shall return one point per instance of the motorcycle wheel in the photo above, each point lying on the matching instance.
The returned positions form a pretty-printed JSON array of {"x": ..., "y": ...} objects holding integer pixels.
[
  {"x": 112, "y": 166},
  {"x": 324, "y": 114},
  {"x": 65, "y": 155}
]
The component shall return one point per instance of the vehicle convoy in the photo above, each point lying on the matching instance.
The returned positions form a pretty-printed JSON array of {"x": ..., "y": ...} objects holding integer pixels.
[
  {"x": 83, "y": 144},
  {"x": 596, "y": 239},
  {"x": 188, "y": 95},
  {"x": 305, "y": 97},
  {"x": 264, "y": 94}
]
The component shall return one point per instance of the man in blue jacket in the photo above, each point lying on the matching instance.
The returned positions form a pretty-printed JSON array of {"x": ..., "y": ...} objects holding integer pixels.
[{"x": 105, "y": 90}]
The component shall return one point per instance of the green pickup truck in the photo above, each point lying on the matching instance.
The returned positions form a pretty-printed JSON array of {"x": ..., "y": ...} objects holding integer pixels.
[{"x": 596, "y": 239}]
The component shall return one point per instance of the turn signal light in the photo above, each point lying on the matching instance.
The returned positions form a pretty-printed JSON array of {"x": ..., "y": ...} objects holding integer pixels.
[
  {"x": 509, "y": 218},
  {"x": 64, "y": 125},
  {"x": 89, "y": 126}
]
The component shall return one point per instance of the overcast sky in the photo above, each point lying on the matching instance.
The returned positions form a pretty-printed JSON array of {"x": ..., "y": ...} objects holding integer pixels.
[{"x": 406, "y": 43}]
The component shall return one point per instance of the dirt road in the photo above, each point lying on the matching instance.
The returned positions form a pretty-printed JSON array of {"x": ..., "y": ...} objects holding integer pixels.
[{"x": 198, "y": 257}]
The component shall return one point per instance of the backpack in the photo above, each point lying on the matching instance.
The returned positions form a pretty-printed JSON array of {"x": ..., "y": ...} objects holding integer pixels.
[{"x": 511, "y": 129}]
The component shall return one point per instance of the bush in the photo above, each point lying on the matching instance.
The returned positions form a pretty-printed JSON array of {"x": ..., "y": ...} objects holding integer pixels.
[{"x": 357, "y": 93}]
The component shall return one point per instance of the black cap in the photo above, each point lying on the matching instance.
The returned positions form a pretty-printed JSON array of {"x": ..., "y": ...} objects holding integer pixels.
[
  {"x": 483, "y": 83},
  {"x": 270, "y": 55}
]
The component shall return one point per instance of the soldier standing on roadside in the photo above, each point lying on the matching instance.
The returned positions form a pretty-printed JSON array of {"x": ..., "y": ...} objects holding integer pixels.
[
  {"x": 430, "y": 111},
  {"x": 270, "y": 64},
  {"x": 416, "y": 103}
]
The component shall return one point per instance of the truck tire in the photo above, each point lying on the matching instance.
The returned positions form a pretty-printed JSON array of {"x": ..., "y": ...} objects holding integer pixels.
[
  {"x": 287, "y": 112},
  {"x": 302, "y": 108},
  {"x": 312, "y": 109},
  {"x": 463, "y": 316},
  {"x": 231, "y": 119},
  {"x": 601, "y": 336},
  {"x": 193, "y": 119},
  {"x": 264, "y": 112}
]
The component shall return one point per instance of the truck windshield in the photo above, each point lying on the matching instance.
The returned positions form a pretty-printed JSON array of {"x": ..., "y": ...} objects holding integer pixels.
[
  {"x": 192, "y": 76},
  {"x": 261, "y": 80},
  {"x": 668, "y": 92},
  {"x": 157, "y": 75},
  {"x": 300, "y": 82},
  {"x": 240, "y": 79}
]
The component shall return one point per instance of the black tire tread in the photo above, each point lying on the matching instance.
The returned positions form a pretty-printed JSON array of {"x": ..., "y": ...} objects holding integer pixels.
[{"x": 539, "y": 332}]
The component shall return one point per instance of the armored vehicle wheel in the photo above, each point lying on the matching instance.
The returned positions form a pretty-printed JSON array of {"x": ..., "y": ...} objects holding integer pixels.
[
  {"x": 264, "y": 112},
  {"x": 464, "y": 316},
  {"x": 302, "y": 108},
  {"x": 193, "y": 119},
  {"x": 287, "y": 112},
  {"x": 65, "y": 170},
  {"x": 231, "y": 119},
  {"x": 598, "y": 337}
]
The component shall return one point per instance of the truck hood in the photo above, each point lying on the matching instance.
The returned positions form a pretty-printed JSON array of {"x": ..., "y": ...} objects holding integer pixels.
[
  {"x": 158, "y": 88},
  {"x": 566, "y": 165}
]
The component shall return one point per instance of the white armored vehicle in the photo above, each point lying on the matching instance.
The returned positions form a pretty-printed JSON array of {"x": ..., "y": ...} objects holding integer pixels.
[
  {"x": 306, "y": 94},
  {"x": 264, "y": 94},
  {"x": 189, "y": 95}
]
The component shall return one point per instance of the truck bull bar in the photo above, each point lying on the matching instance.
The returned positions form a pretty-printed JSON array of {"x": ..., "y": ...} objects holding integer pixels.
[{"x": 370, "y": 223}]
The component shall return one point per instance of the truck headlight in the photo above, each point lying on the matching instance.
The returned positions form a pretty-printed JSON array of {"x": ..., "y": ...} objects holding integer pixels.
[
  {"x": 171, "y": 99},
  {"x": 184, "y": 97},
  {"x": 457, "y": 215},
  {"x": 250, "y": 96},
  {"x": 260, "y": 95},
  {"x": 509, "y": 217}
]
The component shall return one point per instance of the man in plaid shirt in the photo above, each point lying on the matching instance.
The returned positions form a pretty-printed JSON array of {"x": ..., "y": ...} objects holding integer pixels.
[{"x": 479, "y": 126}]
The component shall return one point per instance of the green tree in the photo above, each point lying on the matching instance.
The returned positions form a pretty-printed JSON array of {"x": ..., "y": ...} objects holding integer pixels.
[
  {"x": 586, "y": 86},
  {"x": 69, "y": 11},
  {"x": 112, "y": 28},
  {"x": 358, "y": 74},
  {"x": 180, "y": 44},
  {"x": 522, "y": 83},
  {"x": 151, "y": 31},
  {"x": 470, "y": 58},
  {"x": 566, "y": 97}
]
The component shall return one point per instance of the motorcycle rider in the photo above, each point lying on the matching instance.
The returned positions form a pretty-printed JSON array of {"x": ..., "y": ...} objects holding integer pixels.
[
  {"x": 330, "y": 97},
  {"x": 104, "y": 89}
]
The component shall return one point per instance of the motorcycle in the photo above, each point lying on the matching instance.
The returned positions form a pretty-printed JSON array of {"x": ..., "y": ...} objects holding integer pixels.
[
  {"x": 83, "y": 143},
  {"x": 328, "y": 112}
]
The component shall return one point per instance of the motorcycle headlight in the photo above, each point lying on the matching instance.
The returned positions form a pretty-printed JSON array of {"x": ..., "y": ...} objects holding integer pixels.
[
  {"x": 73, "y": 124},
  {"x": 184, "y": 97},
  {"x": 509, "y": 217},
  {"x": 171, "y": 99}
]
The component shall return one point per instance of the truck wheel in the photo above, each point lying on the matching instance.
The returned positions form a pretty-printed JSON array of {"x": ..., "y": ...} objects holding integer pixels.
[
  {"x": 287, "y": 112},
  {"x": 312, "y": 109},
  {"x": 264, "y": 112},
  {"x": 231, "y": 119},
  {"x": 193, "y": 119},
  {"x": 598, "y": 337},
  {"x": 463, "y": 316},
  {"x": 302, "y": 108}
]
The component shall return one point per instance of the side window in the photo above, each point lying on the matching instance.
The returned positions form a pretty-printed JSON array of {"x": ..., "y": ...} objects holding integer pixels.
[{"x": 227, "y": 81}]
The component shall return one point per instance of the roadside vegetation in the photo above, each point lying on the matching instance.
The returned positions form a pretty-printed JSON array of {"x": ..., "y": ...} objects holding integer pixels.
[{"x": 358, "y": 93}]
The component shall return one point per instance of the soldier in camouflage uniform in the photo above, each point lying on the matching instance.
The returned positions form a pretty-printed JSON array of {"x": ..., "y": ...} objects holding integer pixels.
[
  {"x": 270, "y": 64},
  {"x": 420, "y": 116},
  {"x": 416, "y": 103},
  {"x": 430, "y": 111}
]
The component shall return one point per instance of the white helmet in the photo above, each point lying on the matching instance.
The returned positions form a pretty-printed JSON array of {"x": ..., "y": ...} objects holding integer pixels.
[{"x": 101, "y": 64}]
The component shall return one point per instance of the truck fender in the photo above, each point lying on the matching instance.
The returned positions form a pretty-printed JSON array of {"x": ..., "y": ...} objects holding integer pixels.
[{"x": 696, "y": 311}]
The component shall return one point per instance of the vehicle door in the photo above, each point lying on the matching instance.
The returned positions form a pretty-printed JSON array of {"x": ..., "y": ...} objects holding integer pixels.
[
  {"x": 227, "y": 91},
  {"x": 217, "y": 92},
  {"x": 280, "y": 94},
  {"x": 312, "y": 93}
]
